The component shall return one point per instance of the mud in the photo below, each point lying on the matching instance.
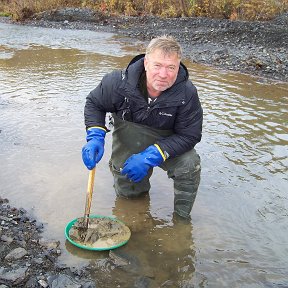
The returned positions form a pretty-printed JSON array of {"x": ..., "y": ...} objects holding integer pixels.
[{"x": 102, "y": 233}]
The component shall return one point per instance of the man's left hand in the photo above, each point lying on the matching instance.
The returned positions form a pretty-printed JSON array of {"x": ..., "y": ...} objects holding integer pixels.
[{"x": 136, "y": 166}]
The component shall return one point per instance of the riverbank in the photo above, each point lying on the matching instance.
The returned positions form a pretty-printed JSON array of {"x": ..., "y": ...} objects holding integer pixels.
[
  {"x": 256, "y": 48},
  {"x": 28, "y": 260}
]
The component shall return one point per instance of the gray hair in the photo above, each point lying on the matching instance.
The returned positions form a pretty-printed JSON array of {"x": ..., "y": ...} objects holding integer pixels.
[{"x": 165, "y": 43}]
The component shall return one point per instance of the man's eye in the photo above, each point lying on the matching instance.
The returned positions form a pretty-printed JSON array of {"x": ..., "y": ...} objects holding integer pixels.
[{"x": 172, "y": 68}]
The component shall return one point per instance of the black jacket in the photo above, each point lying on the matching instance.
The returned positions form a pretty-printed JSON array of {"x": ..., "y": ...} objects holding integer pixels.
[{"x": 178, "y": 108}]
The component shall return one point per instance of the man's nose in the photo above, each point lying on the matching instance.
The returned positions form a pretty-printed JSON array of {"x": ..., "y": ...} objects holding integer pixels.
[{"x": 163, "y": 72}]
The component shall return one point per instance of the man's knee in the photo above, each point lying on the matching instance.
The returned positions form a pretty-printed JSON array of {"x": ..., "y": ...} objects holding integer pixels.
[{"x": 186, "y": 167}]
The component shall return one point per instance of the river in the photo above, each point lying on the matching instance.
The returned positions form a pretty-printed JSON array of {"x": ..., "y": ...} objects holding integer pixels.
[{"x": 237, "y": 236}]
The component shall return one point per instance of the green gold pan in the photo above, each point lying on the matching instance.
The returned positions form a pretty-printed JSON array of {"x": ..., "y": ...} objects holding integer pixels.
[{"x": 109, "y": 245}]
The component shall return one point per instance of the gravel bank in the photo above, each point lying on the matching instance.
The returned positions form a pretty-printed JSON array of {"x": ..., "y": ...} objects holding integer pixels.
[
  {"x": 28, "y": 260},
  {"x": 256, "y": 48}
]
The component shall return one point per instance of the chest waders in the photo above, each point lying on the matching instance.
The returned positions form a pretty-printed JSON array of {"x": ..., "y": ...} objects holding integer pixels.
[{"x": 131, "y": 138}]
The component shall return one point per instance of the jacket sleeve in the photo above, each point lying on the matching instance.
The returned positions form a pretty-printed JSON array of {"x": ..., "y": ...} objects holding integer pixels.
[
  {"x": 100, "y": 100},
  {"x": 188, "y": 126}
]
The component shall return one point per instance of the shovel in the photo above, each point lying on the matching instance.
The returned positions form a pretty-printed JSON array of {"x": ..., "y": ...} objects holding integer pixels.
[
  {"x": 89, "y": 197},
  {"x": 113, "y": 240}
]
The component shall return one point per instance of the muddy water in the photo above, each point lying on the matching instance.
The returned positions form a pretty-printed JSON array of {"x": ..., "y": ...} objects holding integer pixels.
[{"x": 238, "y": 233}]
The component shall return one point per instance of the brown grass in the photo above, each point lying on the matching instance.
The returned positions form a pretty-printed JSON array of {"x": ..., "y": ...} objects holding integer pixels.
[
  {"x": 23, "y": 9},
  {"x": 230, "y": 9}
]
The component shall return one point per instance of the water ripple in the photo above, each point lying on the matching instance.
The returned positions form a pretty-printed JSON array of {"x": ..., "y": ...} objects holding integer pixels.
[{"x": 240, "y": 214}]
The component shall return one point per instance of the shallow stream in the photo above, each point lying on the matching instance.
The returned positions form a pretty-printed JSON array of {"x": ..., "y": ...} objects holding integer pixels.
[{"x": 238, "y": 233}]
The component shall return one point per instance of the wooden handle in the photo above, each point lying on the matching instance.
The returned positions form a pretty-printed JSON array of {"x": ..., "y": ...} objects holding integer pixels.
[{"x": 89, "y": 195}]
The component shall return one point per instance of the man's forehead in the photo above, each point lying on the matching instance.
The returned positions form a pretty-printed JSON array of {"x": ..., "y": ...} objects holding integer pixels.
[{"x": 162, "y": 53}]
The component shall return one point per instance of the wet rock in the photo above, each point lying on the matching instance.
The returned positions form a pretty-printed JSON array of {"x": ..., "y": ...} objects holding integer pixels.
[
  {"x": 35, "y": 282},
  {"x": 17, "y": 253},
  {"x": 38, "y": 261},
  {"x": 5, "y": 218},
  {"x": 49, "y": 244},
  {"x": 43, "y": 283},
  {"x": 3, "y": 200},
  {"x": 32, "y": 283},
  {"x": 130, "y": 263},
  {"x": 6, "y": 239},
  {"x": 13, "y": 276},
  {"x": 119, "y": 259},
  {"x": 62, "y": 281},
  {"x": 26, "y": 261},
  {"x": 142, "y": 282},
  {"x": 88, "y": 284},
  {"x": 3, "y": 249}
]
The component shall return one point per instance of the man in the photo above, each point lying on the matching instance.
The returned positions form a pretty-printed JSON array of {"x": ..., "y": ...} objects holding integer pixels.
[{"x": 157, "y": 122}]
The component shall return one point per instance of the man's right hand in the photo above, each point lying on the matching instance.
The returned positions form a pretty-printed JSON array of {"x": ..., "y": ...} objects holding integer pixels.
[{"x": 93, "y": 151}]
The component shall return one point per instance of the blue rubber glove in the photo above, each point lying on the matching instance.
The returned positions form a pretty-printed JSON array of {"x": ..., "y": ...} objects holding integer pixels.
[
  {"x": 136, "y": 166},
  {"x": 93, "y": 151}
]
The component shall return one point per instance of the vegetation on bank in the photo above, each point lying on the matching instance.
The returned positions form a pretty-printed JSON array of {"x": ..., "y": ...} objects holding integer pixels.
[{"x": 229, "y": 9}]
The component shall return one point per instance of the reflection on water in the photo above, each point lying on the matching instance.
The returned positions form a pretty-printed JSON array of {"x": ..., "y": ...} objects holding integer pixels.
[
  {"x": 158, "y": 253},
  {"x": 238, "y": 233}
]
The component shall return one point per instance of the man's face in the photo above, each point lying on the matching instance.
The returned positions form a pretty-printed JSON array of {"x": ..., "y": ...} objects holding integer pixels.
[{"x": 161, "y": 71}]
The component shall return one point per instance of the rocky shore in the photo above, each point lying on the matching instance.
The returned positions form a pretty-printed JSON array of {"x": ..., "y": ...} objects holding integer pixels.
[
  {"x": 256, "y": 48},
  {"x": 28, "y": 260}
]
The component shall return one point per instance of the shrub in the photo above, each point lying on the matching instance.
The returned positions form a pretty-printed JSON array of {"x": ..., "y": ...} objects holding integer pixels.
[{"x": 230, "y": 9}]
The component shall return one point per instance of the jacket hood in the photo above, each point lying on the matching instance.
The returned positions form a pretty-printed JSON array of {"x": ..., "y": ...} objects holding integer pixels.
[{"x": 136, "y": 66}]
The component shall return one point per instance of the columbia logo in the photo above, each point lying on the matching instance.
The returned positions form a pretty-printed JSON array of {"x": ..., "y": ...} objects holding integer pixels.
[{"x": 165, "y": 114}]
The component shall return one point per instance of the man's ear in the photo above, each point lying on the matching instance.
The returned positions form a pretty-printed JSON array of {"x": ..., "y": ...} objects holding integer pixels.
[{"x": 145, "y": 63}]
